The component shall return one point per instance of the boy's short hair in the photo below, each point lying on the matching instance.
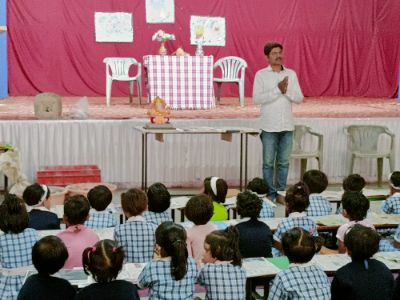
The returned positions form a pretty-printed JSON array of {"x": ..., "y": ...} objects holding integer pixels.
[
  {"x": 356, "y": 205},
  {"x": 394, "y": 180},
  {"x": 248, "y": 205},
  {"x": 299, "y": 245},
  {"x": 271, "y": 45},
  {"x": 76, "y": 209},
  {"x": 34, "y": 193},
  {"x": 297, "y": 197},
  {"x": 134, "y": 201},
  {"x": 199, "y": 209},
  {"x": 100, "y": 197},
  {"x": 361, "y": 242},
  {"x": 159, "y": 199},
  {"x": 258, "y": 185},
  {"x": 13, "y": 215},
  {"x": 49, "y": 255},
  {"x": 316, "y": 181},
  {"x": 353, "y": 183}
]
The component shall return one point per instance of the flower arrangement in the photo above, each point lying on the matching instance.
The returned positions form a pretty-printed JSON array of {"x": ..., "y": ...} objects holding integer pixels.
[{"x": 162, "y": 36}]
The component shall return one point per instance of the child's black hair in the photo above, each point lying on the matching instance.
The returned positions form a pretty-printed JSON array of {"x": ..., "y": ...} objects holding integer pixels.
[
  {"x": 316, "y": 181},
  {"x": 34, "y": 193},
  {"x": 248, "y": 205},
  {"x": 361, "y": 242},
  {"x": 171, "y": 238},
  {"x": 221, "y": 186},
  {"x": 199, "y": 209},
  {"x": 299, "y": 245},
  {"x": 224, "y": 245},
  {"x": 353, "y": 183},
  {"x": 395, "y": 180},
  {"x": 100, "y": 197},
  {"x": 49, "y": 255},
  {"x": 258, "y": 185},
  {"x": 158, "y": 197},
  {"x": 356, "y": 205},
  {"x": 134, "y": 202},
  {"x": 76, "y": 209},
  {"x": 13, "y": 215},
  {"x": 297, "y": 197},
  {"x": 104, "y": 260}
]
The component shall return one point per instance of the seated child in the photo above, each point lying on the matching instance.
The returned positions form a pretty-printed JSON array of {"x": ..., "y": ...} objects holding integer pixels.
[
  {"x": 217, "y": 188},
  {"x": 260, "y": 188},
  {"x": 222, "y": 276},
  {"x": 252, "y": 232},
  {"x": 172, "y": 275},
  {"x": 317, "y": 182},
  {"x": 36, "y": 196},
  {"x": 353, "y": 183},
  {"x": 199, "y": 210},
  {"x": 104, "y": 261},
  {"x": 363, "y": 277},
  {"x": 136, "y": 235},
  {"x": 48, "y": 256},
  {"x": 159, "y": 201},
  {"x": 296, "y": 203},
  {"x": 392, "y": 204},
  {"x": 77, "y": 236},
  {"x": 391, "y": 244},
  {"x": 355, "y": 207},
  {"x": 302, "y": 280},
  {"x": 15, "y": 245},
  {"x": 100, "y": 198}
]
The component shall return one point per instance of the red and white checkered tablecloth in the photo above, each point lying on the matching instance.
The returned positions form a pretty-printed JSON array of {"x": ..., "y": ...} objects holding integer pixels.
[{"x": 184, "y": 82}]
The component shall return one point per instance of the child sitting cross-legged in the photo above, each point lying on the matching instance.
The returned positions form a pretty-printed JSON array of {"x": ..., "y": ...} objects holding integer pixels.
[
  {"x": 217, "y": 188},
  {"x": 77, "y": 236},
  {"x": 100, "y": 198},
  {"x": 48, "y": 256},
  {"x": 104, "y": 261},
  {"x": 317, "y": 182},
  {"x": 392, "y": 204},
  {"x": 363, "y": 277},
  {"x": 222, "y": 276},
  {"x": 136, "y": 235},
  {"x": 260, "y": 188},
  {"x": 159, "y": 201},
  {"x": 302, "y": 280}
]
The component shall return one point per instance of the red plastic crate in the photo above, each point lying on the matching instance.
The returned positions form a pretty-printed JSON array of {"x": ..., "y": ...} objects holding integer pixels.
[{"x": 65, "y": 175}]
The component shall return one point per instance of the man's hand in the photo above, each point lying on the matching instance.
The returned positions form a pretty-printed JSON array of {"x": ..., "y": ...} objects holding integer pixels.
[{"x": 282, "y": 85}]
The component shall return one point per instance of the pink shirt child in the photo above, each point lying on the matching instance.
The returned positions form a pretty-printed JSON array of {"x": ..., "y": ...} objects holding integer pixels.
[
  {"x": 195, "y": 240},
  {"x": 342, "y": 231},
  {"x": 76, "y": 238}
]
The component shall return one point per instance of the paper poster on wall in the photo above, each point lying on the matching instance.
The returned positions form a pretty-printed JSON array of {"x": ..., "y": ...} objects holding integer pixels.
[
  {"x": 160, "y": 11},
  {"x": 208, "y": 31},
  {"x": 113, "y": 27}
]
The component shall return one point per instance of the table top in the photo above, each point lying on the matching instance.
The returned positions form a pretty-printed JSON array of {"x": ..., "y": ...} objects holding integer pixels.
[{"x": 198, "y": 130}]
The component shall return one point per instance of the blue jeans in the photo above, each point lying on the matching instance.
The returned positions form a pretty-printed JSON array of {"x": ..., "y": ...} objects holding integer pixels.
[{"x": 277, "y": 147}]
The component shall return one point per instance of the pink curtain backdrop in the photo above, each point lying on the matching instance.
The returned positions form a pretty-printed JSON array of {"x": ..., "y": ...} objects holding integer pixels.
[{"x": 337, "y": 47}]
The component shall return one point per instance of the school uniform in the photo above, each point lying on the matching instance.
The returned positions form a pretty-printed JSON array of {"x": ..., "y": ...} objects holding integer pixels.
[
  {"x": 301, "y": 281},
  {"x": 345, "y": 228},
  {"x": 388, "y": 245},
  {"x": 157, "y": 276},
  {"x": 116, "y": 289},
  {"x": 220, "y": 212},
  {"x": 76, "y": 238},
  {"x": 267, "y": 211},
  {"x": 392, "y": 204},
  {"x": 15, "y": 258},
  {"x": 319, "y": 206},
  {"x": 295, "y": 219},
  {"x": 137, "y": 237},
  {"x": 157, "y": 218},
  {"x": 223, "y": 281},
  {"x": 369, "y": 279},
  {"x": 40, "y": 218},
  {"x": 101, "y": 219}
]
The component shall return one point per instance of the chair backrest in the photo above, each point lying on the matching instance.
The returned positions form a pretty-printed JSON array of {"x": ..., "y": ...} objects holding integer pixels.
[
  {"x": 298, "y": 134},
  {"x": 364, "y": 138},
  {"x": 232, "y": 67},
  {"x": 119, "y": 66}
]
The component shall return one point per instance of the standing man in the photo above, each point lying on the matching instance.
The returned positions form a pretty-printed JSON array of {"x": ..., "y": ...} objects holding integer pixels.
[{"x": 275, "y": 88}]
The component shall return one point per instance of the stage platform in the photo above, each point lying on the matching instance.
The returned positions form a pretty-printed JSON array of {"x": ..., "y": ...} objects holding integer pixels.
[{"x": 108, "y": 139}]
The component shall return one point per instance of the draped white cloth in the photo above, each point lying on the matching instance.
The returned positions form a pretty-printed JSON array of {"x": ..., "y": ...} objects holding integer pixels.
[{"x": 182, "y": 160}]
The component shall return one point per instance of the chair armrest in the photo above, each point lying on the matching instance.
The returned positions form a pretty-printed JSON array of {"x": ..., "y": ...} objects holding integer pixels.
[
  {"x": 387, "y": 131},
  {"x": 315, "y": 133}
]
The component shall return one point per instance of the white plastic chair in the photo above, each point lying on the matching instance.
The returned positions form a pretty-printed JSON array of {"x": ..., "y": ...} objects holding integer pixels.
[
  {"x": 299, "y": 152},
  {"x": 362, "y": 142},
  {"x": 233, "y": 70},
  {"x": 117, "y": 68}
]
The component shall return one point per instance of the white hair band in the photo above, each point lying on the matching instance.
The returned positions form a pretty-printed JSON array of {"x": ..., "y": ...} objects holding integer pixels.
[
  {"x": 213, "y": 184},
  {"x": 45, "y": 189},
  {"x": 391, "y": 183}
]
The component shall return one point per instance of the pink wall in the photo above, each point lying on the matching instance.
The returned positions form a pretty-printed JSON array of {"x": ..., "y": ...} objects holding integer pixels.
[{"x": 337, "y": 47}]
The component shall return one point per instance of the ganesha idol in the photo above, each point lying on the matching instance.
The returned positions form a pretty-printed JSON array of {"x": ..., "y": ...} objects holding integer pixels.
[{"x": 159, "y": 111}]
